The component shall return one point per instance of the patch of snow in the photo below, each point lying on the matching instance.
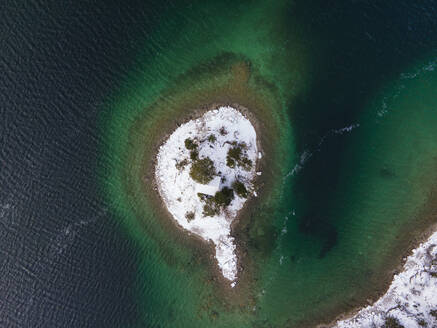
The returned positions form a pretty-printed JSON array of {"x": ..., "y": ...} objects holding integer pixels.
[
  {"x": 209, "y": 189},
  {"x": 411, "y": 296},
  {"x": 179, "y": 190}
]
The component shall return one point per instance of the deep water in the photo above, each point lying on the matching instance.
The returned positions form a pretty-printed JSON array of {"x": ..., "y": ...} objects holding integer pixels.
[{"x": 346, "y": 91}]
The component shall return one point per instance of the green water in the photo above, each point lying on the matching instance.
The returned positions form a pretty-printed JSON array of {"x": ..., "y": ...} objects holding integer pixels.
[{"x": 323, "y": 237}]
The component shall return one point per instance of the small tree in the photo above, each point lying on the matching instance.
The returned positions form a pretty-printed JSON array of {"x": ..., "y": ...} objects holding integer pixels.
[
  {"x": 240, "y": 189},
  {"x": 194, "y": 155},
  {"x": 202, "y": 170},
  {"x": 224, "y": 197},
  {"x": 190, "y": 144},
  {"x": 189, "y": 216},
  {"x": 230, "y": 162},
  {"x": 212, "y": 138},
  {"x": 210, "y": 210},
  {"x": 237, "y": 156},
  {"x": 433, "y": 313},
  {"x": 180, "y": 165},
  {"x": 392, "y": 322},
  {"x": 235, "y": 152},
  {"x": 245, "y": 163}
]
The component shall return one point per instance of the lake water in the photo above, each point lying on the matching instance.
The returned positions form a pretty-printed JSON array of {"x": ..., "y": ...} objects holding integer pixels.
[{"x": 350, "y": 88}]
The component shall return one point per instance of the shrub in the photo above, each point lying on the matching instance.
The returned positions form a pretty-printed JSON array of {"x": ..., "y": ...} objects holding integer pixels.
[
  {"x": 202, "y": 170},
  {"x": 245, "y": 163},
  {"x": 235, "y": 153},
  {"x": 230, "y": 162},
  {"x": 201, "y": 196},
  {"x": 212, "y": 138},
  {"x": 223, "y": 131},
  {"x": 224, "y": 197},
  {"x": 433, "y": 313},
  {"x": 240, "y": 189},
  {"x": 236, "y": 156},
  {"x": 194, "y": 155},
  {"x": 180, "y": 165},
  {"x": 189, "y": 216},
  {"x": 190, "y": 144},
  {"x": 210, "y": 210},
  {"x": 392, "y": 322}
]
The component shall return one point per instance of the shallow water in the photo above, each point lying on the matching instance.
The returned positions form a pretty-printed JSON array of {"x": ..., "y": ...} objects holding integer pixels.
[{"x": 348, "y": 86}]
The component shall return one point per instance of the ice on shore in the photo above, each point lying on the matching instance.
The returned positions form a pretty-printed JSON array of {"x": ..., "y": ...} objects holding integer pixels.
[{"x": 178, "y": 189}]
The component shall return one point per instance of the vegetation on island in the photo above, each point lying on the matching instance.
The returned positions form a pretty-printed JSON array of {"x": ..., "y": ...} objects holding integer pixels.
[
  {"x": 240, "y": 189},
  {"x": 237, "y": 157},
  {"x": 202, "y": 170},
  {"x": 210, "y": 210},
  {"x": 224, "y": 197},
  {"x": 190, "y": 144},
  {"x": 212, "y": 138},
  {"x": 433, "y": 313},
  {"x": 214, "y": 204},
  {"x": 392, "y": 322},
  {"x": 194, "y": 155},
  {"x": 190, "y": 216},
  {"x": 180, "y": 165}
]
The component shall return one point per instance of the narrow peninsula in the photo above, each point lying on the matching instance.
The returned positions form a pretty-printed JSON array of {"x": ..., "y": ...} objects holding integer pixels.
[{"x": 205, "y": 173}]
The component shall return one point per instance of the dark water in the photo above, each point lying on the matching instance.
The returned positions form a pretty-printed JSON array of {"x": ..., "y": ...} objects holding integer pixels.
[{"x": 66, "y": 257}]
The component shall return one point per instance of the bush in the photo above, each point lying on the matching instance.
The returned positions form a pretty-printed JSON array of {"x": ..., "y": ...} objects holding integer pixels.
[
  {"x": 194, "y": 155},
  {"x": 189, "y": 216},
  {"x": 392, "y": 322},
  {"x": 236, "y": 156},
  {"x": 224, "y": 197},
  {"x": 433, "y": 313},
  {"x": 223, "y": 131},
  {"x": 180, "y": 165},
  {"x": 212, "y": 138},
  {"x": 235, "y": 153},
  {"x": 190, "y": 144},
  {"x": 245, "y": 163},
  {"x": 202, "y": 171},
  {"x": 210, "y": 210},
  {"x": 202, "y": 197},
  {"x": 240, "y": 189},
  {"x": 213, "y": 205},
  {"x": 230, "y": 162}
]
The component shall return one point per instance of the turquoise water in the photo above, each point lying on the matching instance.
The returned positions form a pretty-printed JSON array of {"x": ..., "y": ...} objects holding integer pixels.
[
  {"x": 347, "y": 95},
  {"x": 383, "y": 188}
]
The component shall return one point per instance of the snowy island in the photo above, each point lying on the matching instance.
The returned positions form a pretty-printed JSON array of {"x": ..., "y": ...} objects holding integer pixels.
[{"x": 205, "y": 173}]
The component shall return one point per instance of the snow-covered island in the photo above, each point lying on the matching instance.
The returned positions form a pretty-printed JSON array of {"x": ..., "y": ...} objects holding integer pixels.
[{"x": 205, "y": 172}]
